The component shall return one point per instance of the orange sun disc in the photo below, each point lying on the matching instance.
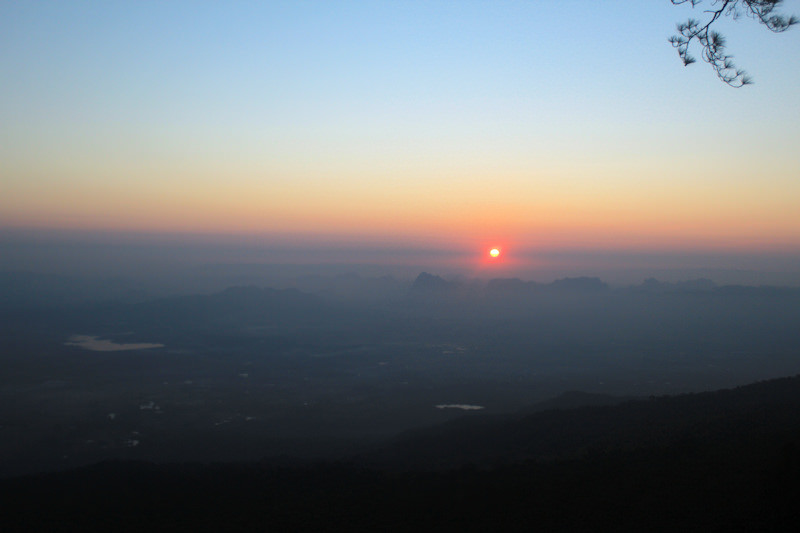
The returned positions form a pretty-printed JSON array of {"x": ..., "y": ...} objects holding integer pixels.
[{"x": 494, "y": 252}]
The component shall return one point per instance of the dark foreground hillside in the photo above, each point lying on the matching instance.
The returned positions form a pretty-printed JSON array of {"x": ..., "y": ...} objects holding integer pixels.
[{"x": 736, "y": 467}]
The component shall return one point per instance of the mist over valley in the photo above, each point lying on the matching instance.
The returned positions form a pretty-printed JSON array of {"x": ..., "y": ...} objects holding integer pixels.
[{"x": 326, "y": 372}]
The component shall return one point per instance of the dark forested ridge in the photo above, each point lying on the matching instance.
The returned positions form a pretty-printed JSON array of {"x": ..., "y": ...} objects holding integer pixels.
[
  {"x": 719, "y": 461},
  {"x": 726, "y": 418}
]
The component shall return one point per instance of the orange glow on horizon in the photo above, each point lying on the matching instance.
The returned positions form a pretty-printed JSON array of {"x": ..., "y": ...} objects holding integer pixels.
[{"x": 495, "y": 259}]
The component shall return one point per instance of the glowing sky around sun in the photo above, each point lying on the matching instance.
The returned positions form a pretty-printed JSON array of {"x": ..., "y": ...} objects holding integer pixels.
[{"x": 554, "y": 124}]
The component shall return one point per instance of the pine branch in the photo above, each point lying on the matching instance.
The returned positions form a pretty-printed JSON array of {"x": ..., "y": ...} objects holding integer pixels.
[{"x": 712, "y": 43}]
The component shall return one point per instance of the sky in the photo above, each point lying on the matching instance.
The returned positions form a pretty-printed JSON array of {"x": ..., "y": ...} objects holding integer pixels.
[{"x": 403, "y": 128}]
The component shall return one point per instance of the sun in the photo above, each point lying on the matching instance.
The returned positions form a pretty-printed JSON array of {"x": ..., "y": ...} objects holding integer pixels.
[{"x": 494, "y": 252}]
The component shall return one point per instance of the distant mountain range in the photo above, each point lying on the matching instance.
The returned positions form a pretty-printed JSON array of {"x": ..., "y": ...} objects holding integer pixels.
[
  {"x": 430, "y": 283},
  {"x": 27, "y": 289}
]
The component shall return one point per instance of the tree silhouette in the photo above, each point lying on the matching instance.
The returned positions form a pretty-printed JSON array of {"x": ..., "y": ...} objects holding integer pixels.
[{"x": 713, "y": 44}]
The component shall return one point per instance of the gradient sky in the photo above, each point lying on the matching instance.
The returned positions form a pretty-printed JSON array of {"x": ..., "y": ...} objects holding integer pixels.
[{"x": 460, "y": 124}]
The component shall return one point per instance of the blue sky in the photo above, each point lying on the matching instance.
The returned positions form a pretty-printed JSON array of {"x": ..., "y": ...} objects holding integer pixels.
[{"x": 536, "y": 125}]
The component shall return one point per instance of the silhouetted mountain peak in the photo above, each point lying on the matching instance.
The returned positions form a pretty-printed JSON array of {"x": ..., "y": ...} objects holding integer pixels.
[{"x": 430, "y": 283}]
